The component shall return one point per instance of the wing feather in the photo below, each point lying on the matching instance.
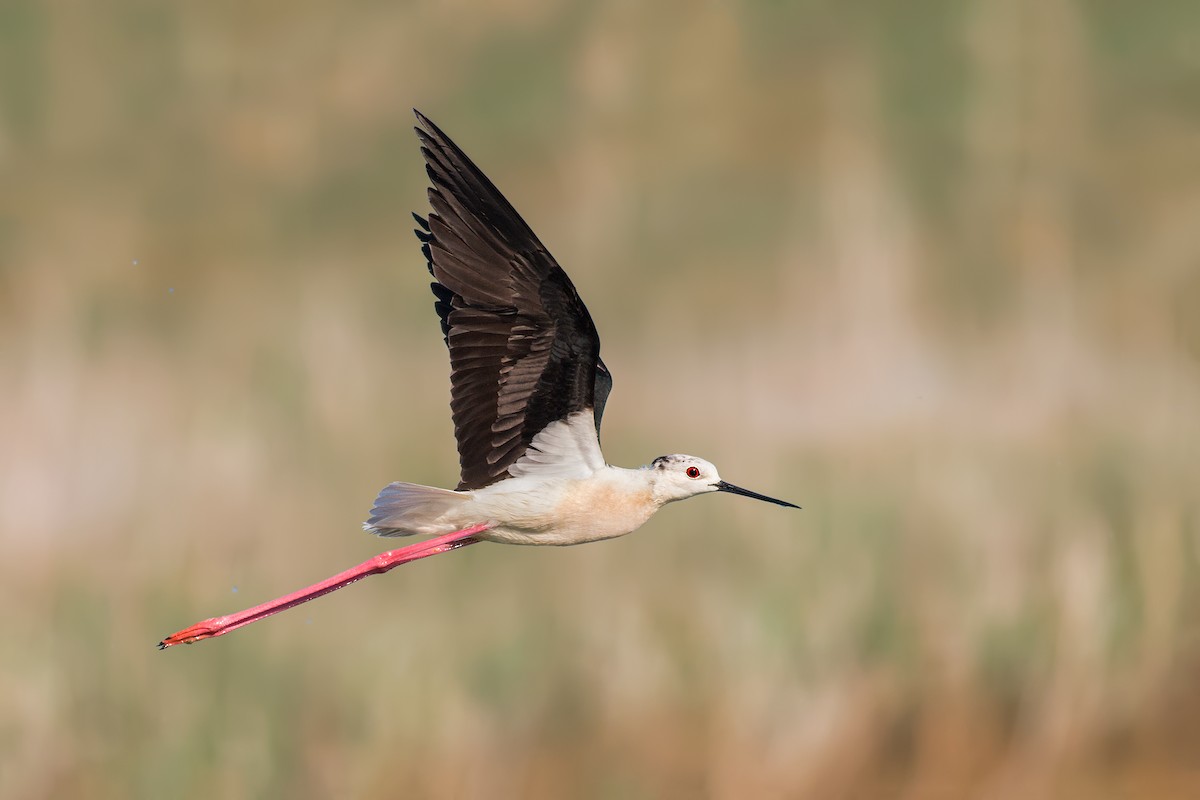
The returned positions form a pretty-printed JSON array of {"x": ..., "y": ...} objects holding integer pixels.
[{"x": 523, "y": 349}]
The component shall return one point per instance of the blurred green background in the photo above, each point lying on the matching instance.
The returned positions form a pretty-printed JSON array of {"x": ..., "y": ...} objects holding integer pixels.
[{"x": 931, "y": 270}]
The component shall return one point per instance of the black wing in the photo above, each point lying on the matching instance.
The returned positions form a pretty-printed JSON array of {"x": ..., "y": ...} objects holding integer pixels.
[{"x": 523, "y": 349}]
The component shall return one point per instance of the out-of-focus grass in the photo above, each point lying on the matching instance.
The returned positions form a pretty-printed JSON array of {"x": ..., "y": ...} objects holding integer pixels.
[{"x": 931, "y": 271}]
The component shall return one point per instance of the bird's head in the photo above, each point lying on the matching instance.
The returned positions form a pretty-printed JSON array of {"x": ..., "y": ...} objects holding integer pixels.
[{"x": 677, "y": 477}]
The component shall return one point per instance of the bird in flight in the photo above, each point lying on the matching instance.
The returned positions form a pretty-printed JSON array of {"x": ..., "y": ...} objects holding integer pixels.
[{"x": 528, "y": 389}]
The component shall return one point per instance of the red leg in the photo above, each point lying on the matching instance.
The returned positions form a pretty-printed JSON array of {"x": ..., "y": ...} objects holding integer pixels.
[{"x": 218, "y": 626}]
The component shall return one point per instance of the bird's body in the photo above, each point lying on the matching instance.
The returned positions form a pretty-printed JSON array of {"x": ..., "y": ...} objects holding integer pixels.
[
  {"x": 560, "y": 493},
  {"x": 558, "y": 511},
  {"x": 528, "y": 390}
]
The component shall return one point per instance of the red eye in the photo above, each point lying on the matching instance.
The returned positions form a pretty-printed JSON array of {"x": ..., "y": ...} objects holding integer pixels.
[{"x": 693, "y": 472}]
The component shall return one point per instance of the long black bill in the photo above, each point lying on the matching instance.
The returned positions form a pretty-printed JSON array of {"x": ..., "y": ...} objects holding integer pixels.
[{"x": 722, "y": 486}]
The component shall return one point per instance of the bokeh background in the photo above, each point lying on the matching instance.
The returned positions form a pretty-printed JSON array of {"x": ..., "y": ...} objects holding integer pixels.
[{"x": 931, "y": 270}]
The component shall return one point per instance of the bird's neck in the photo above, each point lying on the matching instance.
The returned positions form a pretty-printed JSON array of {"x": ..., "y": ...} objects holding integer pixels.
[{"x": 642, "y": 479}]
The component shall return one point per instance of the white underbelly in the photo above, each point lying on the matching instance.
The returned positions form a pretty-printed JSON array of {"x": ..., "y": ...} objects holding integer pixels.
[{"x": 559, "y": 512}]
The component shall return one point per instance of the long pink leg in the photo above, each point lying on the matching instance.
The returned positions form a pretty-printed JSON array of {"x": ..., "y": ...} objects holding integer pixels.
[{"x": 219, "y": 626}]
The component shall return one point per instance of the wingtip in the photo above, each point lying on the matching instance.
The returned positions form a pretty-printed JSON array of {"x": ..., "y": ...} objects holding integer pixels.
[
  {"x": 430, "y": 134},
  {"x": 425, "y": 126}
]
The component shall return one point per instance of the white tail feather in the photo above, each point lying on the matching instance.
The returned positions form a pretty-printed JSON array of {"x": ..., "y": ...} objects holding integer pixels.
[{"x": 404, "y": 509}]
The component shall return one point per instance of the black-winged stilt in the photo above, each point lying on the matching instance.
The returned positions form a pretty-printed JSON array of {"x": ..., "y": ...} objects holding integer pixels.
[{"x": 528, "y": 390}]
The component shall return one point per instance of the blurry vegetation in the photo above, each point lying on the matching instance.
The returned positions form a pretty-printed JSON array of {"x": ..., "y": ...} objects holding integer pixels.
[{"x": 931, "y": 270}]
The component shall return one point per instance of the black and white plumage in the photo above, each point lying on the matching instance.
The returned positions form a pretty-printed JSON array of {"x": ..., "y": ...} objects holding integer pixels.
[
  {"x": 523, "y": 349},
  {"x": 528, "y": 386}
]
